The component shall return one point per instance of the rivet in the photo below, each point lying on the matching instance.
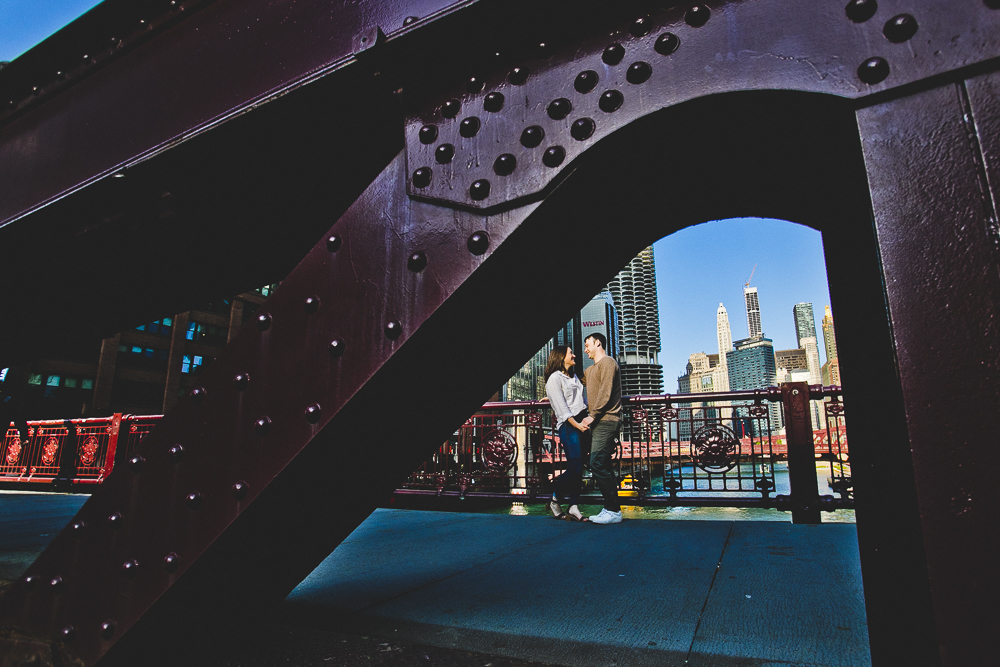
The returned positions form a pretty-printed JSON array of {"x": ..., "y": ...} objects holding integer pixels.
[
  {"x": 193, "y": 500},
  {"x": 56, "y": 583},
  {"x": 532, "y": 136},
  {"x": 451, "y": 108},
  {"x": 582, "y": 128},
  {"x": 198, "y": 394},
  {"x": 544, "y": 50},
  {"x": 409, "y": 19},
  {"x": 135, "y": 463},
  {"x": 638, "y": 72},
  {"x": 697, "y": 16},
  {"x": 175, "y": 453},
  {"x": 311, "y": 305},
  {"x": 559, "y": 108},
  {"x": 553, "y": 156},
  {"x": 474, "y": 85},
  {"x": 241, "y": 381},
  {"x": 518, "y": 76},
  {"x": 130, "y": 567},
  {"x": 480, "y": 189},
  {"x": 175, "y": 5},
  {"x": 78, "y": 525},
  {"x": 666, "y": 43},
  {"x": 422, "y": 177},
  {"x": 493, "y": 102},
  {"x": 444, "y": 153},
  {"x": 31, "y": 580},
  {"x": 333, "y": 243},
  {"x": 314, "y": 412},
  {"x": 108, "y": 629},
  {"x": 263, "y": 425},
  {"x": 469, "y": 127},
  {"x": 171, "y": 561},
  {"x": 873, "y": 70},
  {"x": 35, "y": 90},
  {"x": 67, "y": 633},
  {"x": 478, "y": 243},
  {"x": 611, "y": 100},
  {"x": 505, "y": 165},
  {"x": 641, "y": 27},
  {"x": 900, "y": 28},
  {"x": 264, "y": 321},
  {"x": 115, "y": 519},
  {"x": 860, "y": 11},
  {"x": 614, "y": 54},
  {"x": 417, "y": 261},
  {"x": 585, "y": 81},
  {"x": 240, "y": 490},
  {"x": 337, "y": 347},
  {"x": 61, "y": 75},
  {"x": 428, "y": 134}
]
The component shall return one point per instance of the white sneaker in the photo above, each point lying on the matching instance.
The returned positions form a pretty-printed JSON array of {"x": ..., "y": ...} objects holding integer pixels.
[{"x": 606, "y": 516}]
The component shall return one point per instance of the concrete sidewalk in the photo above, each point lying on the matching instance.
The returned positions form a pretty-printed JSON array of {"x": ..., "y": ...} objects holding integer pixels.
[
  {"x": 636, "y": 593},
  {"x": 435, "y": 586}
]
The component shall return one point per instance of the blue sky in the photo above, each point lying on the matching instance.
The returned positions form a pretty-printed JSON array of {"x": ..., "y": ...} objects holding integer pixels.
[
  {"x": 696, "y": 268},
  {"x": 24, "y": 23},
  {"x": 701, "y": 266}
]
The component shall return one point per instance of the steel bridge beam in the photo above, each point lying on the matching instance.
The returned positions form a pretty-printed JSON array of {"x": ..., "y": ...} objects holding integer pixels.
[{"x": 396, "y": 324}]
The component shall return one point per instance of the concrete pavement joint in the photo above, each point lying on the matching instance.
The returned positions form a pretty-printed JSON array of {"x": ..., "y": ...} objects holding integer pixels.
[{"x": 708, "y": 593}]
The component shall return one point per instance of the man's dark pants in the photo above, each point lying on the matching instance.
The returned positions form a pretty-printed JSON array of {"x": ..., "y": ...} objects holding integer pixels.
[{"x": 604, "y": 432}]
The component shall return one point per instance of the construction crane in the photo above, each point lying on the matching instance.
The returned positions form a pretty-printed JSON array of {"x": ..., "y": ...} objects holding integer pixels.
[{"x": 747, "y": 283}]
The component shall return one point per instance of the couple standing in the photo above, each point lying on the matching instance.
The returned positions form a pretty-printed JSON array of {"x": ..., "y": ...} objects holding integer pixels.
[{"x": 575, "y": 423}]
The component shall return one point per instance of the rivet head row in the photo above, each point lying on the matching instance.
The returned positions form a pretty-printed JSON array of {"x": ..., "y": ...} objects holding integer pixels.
[
  {"x": 860, "y": 11},
  {"x": 313, "y": 413},
  {"x": 417, "y": 261},
  {"x": 478, "y": 243}
]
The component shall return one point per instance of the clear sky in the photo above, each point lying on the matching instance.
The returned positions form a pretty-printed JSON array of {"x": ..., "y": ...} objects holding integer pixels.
[
  {"x": 24, "y": 23},
  {"x": 701, "y": 266},
  {"x": 696, "y": 268}
]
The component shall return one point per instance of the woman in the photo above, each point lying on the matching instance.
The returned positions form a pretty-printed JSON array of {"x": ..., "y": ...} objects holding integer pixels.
[{"x": 565, "y": 392}]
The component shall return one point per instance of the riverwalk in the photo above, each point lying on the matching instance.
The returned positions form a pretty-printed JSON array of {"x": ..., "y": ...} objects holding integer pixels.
[{"x": 417, "y": 587}]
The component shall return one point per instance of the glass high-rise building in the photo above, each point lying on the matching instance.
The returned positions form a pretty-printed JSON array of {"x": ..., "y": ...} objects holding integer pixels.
[
  {"x": 751, "y": 366},
  {"x": 805, "y": 322},
  {"x": 753, "y": 312},
  {"x": 634, "y": 294},
  {"x": 829, "y": 337}
]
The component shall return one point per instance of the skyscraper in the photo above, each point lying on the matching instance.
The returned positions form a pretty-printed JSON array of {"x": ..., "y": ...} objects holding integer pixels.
[
  {"x": 751, "y": 366},
  {"x": 724, "y": 334},
  {"x": 829, "y": 337},
  {"x": 634, "y": 294},
  {"x": 805, "y": 322},
  {"x": 753, "y": 312}
]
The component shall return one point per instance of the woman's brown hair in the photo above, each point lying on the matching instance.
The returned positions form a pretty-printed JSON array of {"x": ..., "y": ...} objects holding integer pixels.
[{"x": 555, "y": 363}]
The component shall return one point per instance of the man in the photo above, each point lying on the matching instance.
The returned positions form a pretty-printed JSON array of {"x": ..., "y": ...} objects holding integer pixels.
[{"x": 604, "y": 397}]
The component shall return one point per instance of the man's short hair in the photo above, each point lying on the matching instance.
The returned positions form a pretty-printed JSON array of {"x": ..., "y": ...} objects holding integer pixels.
[{"x": 599, "y": 337}]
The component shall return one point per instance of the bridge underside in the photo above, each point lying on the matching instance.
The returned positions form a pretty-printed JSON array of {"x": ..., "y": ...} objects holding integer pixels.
[{"x": 202, "y": 159}]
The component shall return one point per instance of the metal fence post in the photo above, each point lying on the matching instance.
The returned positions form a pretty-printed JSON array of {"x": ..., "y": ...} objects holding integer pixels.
[{"x": 801, "y": 453}]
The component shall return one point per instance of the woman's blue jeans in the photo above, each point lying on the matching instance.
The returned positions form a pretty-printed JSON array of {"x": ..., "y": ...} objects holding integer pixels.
[{"x": 567, "y": 485}]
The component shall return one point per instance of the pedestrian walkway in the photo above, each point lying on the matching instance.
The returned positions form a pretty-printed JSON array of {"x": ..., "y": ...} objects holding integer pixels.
[{"x": 416, "y": 587}]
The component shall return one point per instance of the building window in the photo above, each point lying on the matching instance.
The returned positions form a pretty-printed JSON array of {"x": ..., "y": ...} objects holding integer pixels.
[
  {"x": 189, "y": 364},
  {"x": 3, "y": 374},
  {"x": 69, "y": 382},
  {"x": 160, "y": 327},
  {"x": 35, "y": 379},
  {"x": 86, "y": 383},
  {"x": 52, "y": 381},
  {"x": 206, "y": 333}
]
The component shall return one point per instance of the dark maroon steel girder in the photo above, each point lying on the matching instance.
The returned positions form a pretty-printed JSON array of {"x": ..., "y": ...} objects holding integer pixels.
[{"x": 398, "y": 323}]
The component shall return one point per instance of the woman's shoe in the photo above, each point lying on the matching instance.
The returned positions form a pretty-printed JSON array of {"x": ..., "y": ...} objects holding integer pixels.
[
  {"x": 573, "y": 514},
  {"x": 556, "y": 509}
]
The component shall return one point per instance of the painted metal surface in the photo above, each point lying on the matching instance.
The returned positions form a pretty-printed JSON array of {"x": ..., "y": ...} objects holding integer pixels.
[{"x": 403, "y": 301}]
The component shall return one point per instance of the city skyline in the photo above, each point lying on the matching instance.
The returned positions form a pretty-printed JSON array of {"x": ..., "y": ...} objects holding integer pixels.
[{"x": 701, "y": 266}]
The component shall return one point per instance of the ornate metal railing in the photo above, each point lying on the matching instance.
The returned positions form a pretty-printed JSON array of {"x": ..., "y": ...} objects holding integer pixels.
[{"x": 712, "y": 449}]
